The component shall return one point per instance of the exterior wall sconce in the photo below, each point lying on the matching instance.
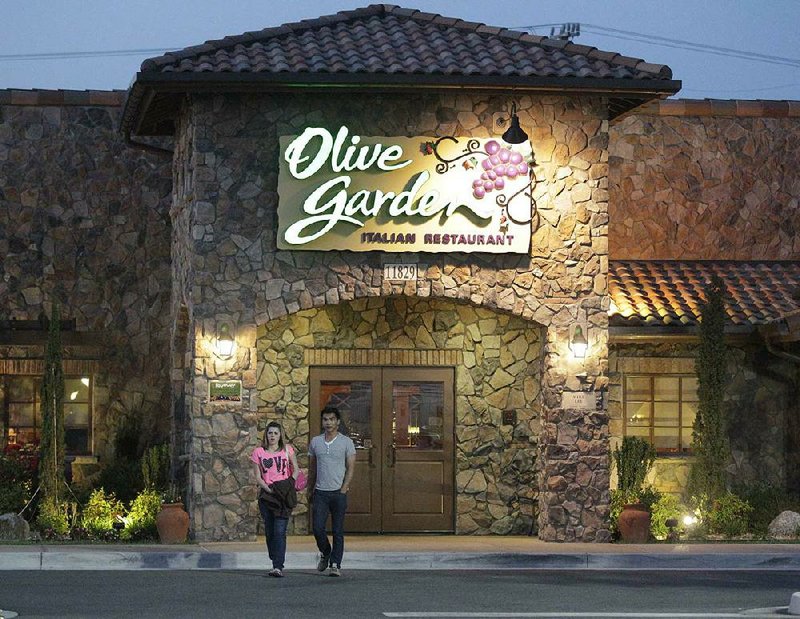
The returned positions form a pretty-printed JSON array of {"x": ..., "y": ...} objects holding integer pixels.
[
  {"x": 578, "y": 343},
  {"x": 225, "y": 341},
  {"x": 514, "y": 134}
]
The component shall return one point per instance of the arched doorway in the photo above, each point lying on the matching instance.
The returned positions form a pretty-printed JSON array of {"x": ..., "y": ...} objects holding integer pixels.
[{"x": 483, "y": 365}]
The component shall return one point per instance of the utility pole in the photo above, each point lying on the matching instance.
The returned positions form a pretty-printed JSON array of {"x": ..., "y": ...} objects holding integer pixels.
[{"x": 566, "y": 32}]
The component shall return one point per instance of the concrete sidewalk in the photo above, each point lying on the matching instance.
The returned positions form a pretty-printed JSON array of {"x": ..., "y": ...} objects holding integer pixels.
[{"x": 403, "y": 552}]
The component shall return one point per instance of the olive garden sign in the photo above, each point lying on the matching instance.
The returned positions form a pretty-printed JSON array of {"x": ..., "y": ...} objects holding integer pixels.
[{"x": 339, "y": 191}]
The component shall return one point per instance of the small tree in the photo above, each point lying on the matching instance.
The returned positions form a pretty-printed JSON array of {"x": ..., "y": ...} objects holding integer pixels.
[
  {"x": 52, "y": 446},
  {"x": 709, "y": 436}
]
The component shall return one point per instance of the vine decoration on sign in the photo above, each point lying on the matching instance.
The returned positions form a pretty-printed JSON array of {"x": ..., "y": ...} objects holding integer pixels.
[{"x": 496, "y": 167}]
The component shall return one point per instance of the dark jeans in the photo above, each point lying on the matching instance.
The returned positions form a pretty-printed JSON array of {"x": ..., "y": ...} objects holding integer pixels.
[
  {"x": 334, "y": 503},
  {"x": 275, "y": 530}
]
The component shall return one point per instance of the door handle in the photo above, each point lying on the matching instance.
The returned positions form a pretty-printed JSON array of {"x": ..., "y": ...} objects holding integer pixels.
[
  {"x": 371, "y": 464},
  {"x": 392, "y": 455}
]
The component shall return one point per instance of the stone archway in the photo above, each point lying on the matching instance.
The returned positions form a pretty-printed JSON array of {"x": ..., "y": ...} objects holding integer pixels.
[{"x": 498, "y": 365}]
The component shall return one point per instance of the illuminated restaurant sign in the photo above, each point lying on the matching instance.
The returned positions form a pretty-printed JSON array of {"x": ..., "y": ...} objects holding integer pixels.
[{"x": 339, "y": 191}]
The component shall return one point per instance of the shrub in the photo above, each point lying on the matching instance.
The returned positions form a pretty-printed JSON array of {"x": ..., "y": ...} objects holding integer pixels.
[
  {"x": 99, "y": 514},
  {"x": 18, "y": 466},
  {"x": 729, "y": 515},
  {"x": 633, "y": 458},
  {"x": 52, "y": 521},
  {"x": 155, "y": 467},
  {"x": 667, "y": 506},
  {"x": 122, "y": 478},
  {"x": 140, "y": 523},
  {"x": 767, "y": 502}
]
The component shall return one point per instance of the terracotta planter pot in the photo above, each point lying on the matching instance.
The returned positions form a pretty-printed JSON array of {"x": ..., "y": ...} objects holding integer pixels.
[
  {"x": 172, "y": 523},
  {"x": 634, "y": 524}
]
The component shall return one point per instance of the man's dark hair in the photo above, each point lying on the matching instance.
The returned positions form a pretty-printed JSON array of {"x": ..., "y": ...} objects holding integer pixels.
[{"x": 331, "y": 409}]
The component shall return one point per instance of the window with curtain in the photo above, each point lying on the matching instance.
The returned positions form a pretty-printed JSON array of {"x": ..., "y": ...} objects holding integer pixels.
[{"x": 661, "y": 409}]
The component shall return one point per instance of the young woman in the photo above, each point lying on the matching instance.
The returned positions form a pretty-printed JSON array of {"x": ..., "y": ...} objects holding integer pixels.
[{"x": 275, "y": 466}]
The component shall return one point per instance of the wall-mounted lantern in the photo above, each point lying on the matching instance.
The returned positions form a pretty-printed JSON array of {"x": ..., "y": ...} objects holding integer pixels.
[
  {"x": 514, "y": 134},
  {"x": 578, "y": 343},
  {"x": 225, "y": 341}
]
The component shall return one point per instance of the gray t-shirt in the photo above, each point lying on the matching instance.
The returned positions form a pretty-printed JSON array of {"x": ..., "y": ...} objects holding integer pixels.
[{"x": 331, "y": 460}]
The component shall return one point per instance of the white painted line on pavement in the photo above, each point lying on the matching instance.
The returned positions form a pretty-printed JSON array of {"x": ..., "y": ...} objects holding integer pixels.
[{"x": 553, "y": 615}]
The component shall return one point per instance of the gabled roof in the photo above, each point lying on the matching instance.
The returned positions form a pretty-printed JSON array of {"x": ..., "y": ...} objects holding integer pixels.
[
  {"x": 671, "y": 293},
  {"x": 386, "y": 45}
]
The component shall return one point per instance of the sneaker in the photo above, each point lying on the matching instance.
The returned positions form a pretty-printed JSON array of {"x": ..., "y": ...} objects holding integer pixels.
[
  {"x": 322, "y": 564},
  {"x": 334, "y": 571},
  {"x": 276, "y": 573}
]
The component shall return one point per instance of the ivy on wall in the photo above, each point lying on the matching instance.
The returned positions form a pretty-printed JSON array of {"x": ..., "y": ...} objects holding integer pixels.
[{"x": 709, "y": 437}]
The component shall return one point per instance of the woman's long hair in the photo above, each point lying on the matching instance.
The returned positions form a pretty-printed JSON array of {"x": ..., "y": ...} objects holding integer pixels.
[{"x": 265, "y": 442}]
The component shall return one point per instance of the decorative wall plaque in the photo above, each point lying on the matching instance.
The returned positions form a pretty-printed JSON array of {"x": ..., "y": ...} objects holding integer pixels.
[
  {"x": 579, "y": 400},
  {"x": 224, "y": 391}
]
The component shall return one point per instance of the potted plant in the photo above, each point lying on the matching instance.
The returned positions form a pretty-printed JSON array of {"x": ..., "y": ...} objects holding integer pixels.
[
  {"x": 172, "y": 522},
  {"x": 634, "y": 459}
]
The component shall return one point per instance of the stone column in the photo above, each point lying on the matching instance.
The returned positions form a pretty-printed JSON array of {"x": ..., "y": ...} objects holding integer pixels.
[{"x": 573, "y": 459}]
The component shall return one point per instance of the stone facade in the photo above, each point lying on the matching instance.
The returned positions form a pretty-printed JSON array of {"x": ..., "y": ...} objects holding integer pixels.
[
  {"x": 226, "y": 269},
  {"x": 702, "y": 180},
  {"x": 84, "y": 224},
  {"x": 761, "y": 407}
]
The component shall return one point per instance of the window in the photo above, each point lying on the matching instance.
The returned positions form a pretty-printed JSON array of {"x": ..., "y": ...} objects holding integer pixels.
[
  {"x": 20, "y": 411},
  {"x": 661, "y": 409}
]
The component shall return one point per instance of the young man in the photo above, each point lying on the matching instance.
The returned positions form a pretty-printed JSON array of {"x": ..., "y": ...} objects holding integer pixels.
[{"x": 332, "y": 459}]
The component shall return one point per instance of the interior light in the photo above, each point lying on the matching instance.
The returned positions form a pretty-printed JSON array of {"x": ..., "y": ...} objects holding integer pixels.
[
  {"x": 85, "y": 381},
  {"x": 73, "y": 395}
]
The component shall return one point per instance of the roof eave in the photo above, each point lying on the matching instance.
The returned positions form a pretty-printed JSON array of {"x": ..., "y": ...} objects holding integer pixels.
[
  {"x": 627, "y": 93},
  {"x": 652, "y": 334}
]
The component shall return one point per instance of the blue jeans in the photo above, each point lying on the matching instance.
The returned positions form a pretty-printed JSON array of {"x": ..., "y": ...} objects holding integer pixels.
[
  {"x": 334, "y": 503},
  {"x": 275, "y": 531}
]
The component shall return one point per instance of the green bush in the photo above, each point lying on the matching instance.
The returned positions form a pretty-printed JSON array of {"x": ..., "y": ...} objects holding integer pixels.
[
  {"x": 18, "y": 476},
  {"x": 122, "y": 478},
  {"x": 155, "y": 467},
  {"x": 767, "y": 502},
  {"x": 667, "y": 506},
  {"x": 729, "y": 515},
  {"x": 633, "y": 458},
  {"x": 52, "y": 521},
  {"x": 99, "y": 514},
  {"x": 140, "y": 523}
]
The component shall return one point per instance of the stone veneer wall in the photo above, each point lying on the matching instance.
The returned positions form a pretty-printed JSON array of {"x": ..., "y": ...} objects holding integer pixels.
[
  {"x": 702, "y": 180},
  {"x": 84, "y": 224},
  {"x": 226, "y": 269},
  {"x": 761, "y": 404}
]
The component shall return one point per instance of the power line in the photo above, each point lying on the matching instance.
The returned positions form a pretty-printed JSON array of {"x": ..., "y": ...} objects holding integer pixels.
[
  {"x": 84, "y": 54},
  {"x": 649, "y": 39}
]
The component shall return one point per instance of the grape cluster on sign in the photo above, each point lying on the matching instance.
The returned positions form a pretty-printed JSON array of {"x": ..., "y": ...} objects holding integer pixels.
[{"x": 499, "y": 165}]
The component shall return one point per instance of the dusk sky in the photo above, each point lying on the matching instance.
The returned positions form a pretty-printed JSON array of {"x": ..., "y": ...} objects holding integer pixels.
[{"x": 760, "y": 59}]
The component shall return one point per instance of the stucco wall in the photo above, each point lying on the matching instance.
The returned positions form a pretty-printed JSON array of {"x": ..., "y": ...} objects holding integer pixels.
[
  {"x": 706, "y": 180},
  {"x": 84, "y": 223}
]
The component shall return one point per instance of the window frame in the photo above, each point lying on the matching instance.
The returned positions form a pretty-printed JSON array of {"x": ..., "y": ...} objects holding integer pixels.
[
  {"x": 661, "y": 452},
  {"x": 5, "y": 415}
]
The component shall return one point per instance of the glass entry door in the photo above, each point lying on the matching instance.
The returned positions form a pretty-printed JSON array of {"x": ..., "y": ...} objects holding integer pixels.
[{"x": 401, "y": 421}]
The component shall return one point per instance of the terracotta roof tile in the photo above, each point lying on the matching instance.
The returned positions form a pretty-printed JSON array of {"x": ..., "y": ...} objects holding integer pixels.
[
  {"x": 388, "y": 39},
  {"x": 671, "y": 293}
]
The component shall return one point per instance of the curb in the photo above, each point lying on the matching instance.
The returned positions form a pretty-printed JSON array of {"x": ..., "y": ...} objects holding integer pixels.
[{"x": 172, "y": 560}]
